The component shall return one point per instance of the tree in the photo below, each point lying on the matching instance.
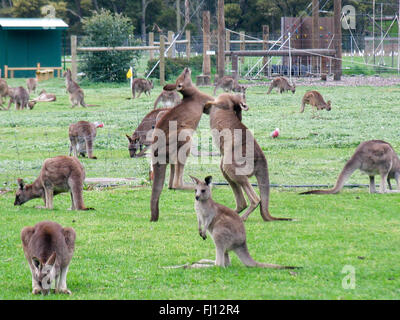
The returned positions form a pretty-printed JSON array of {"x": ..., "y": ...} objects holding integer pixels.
[{"x": 145, "y": 3}]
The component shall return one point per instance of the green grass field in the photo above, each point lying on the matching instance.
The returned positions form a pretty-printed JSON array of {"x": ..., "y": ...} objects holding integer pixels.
[{"x": 120, "y": 255}]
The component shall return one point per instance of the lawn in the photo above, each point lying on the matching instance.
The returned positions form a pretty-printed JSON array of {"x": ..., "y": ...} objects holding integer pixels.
[{"x": 120, "y": 255}]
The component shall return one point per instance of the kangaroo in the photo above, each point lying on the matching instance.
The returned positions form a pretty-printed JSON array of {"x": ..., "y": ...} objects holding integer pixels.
[
  {"x": 315, "y": 99},
  {"x": 3, "y": 90},
  {"x": 228, "y": 84},
  {"x": 372, "y": 157},
  {"x": 49, "y": 248},
  {"x": 82, "y": 135},
  {"x": 45, "y": 97},
  {"x": 281, "y": 84},
  {"x": 58, "y": 174},
  {"x": 225, "y": 227},
  {"x": 76, "y": 94},
  {"x": 168, "y": 99},
  {"x": 140, "y": 85},
  {"x": 225, "y": 117},
  {"x": 139, "y": 138},
  {"x": 20, "y": 97},
  {"x": 31, "y": 84},
  {"x": 186, "y": 116}
]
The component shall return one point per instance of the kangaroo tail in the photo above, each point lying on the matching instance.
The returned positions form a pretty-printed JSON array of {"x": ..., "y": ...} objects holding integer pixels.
[
  {"x": 158, "y": 183},
  {"x": 303, "y": 105},
  {"x": 351, "y": 166},
  {"x": 263, "y": 184},
  {"x": 270, "y": 89}
]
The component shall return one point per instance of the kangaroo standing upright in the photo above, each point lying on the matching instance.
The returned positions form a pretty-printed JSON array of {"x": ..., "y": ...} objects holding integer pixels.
[
  {"x": 185, "y": 117},
  {"x": 58, "y": 174},
  {"x": 82, "y": 135},
  {"x": 315, "y": 99},
  {"x": 225, "y": 227},
  {"x": 237, "y": 154},
  {"x": 372, "y": 157},
  {"x": 31, "y": 84},
  {"x": 49, "y": 248},
  {"x": 76, "y": 94},
  {"x": 281, "y": 84}
]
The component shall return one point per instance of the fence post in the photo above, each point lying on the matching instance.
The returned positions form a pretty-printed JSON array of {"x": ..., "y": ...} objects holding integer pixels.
[
  {"x": 235, "y": 70},
  {"x": 337, "y": 26},
  {"x": 151, "y": 43},
  {"x": 188, "y": 44},
  {"x": 162, "y": 60},
  {"x": 74, "y": 67},
  {"x": 265, "y": 30},
  {"x": 227, "y": 44},
  {"x": 5, "y": 71},
  {"x": 242, "y": 45},
  {"x": 170, "y": 52}
]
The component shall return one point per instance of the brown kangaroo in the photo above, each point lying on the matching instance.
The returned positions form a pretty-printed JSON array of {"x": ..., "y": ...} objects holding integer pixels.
[
  {"x": 82, "y": 135},
  {"x": 76, "y": 94},
  {"x": 228, "y": 84},
  {"x": 225, "y": 227},
  {"x": 58, "y": 174},
  {"x": 315, "y": 99},
  {"x": 140, "y": 85},
  {"x": 31, "y": 84},
  {"x": 281, "y": 84},
  {"x": 20, "y": 97},
  {"x": 168, "y": 99},
  {"x": 225, "y": 123},
  {"x": 3, "y": 90},
  {"x": 49, "y": 248},
  {"x": 139, "y": 138},
  {"x": 371, "y": 157},
  {"x": 186, "y": 116}
]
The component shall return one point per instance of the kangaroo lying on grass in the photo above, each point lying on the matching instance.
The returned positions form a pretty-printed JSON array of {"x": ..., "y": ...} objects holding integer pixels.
[
  {"x": 186, "y": 116},
  {"x": 140, "y": 85},
  {"x": 371, "y": 157},
  {"x": 76, "y": 94},
  {"x": 82, "y": 135},
  {"x": 281, "y": 84},
  {"x": 58, "y": 174},
  {"x": 225, "y": 123},
  {"x": 3, "y": 90},
  {"x": 168, "y": 99},
  {"x": 315, "y": 99},
  {"x": 225, "y": 227},
  {"x": 20, "y": 97},
  {"x": 45, "y": 97},
  {"x": 228, "y": 84},
  {"x": 31, "y": 84},
  {"x": 49, "y": 248}
]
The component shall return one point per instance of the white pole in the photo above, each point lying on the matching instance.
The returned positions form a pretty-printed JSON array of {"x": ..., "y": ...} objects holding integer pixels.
[
  {"x": 132, "y": 75},
  {"x": 290, "y": 61}
]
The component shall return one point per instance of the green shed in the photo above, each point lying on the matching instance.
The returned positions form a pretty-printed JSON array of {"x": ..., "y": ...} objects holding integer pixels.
[{"x": 25, "y": 42}]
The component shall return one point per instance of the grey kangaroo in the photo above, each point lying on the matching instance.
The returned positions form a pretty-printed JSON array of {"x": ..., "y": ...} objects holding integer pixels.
[
  {"x": 20, "y": 97},
  {"x": 371, "y": 157},
  {"x": 31, "y": 84},
  {"x": 81, "y": 136},
  {"x": 48, "y": 248},
  {"x": 3, "y": 90},
  {"x": 281, "y": 84},
  {"x": 225, "y": 227},
  {"x": 228, "y": 84},
  {"x": 315, "y": 100},
  {"x": 140, "y": 85},
  {"x": 76, "y": 94}
]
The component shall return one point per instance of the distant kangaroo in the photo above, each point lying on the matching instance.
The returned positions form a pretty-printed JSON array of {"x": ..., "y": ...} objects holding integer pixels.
[
  {"x": 225, "y": 117},
  {"x": 371, "y": 157},
  {"x": 140, "y": 85},
  {"x": 76, "y": 94},
  {"x": 20, "y": 97},
  {"x": 281, "y": 84},
  {"x": 168, "y": 99},
  {"x": 49, "y": 248},
  {"x": 228, "y": 84},
  {"x": 3, "y": 90},
  {"x": 82, "y": 135},
  {"x": 31, "y": 84},
  {"x": 225, "y": 227},
  {"x": 186, "y": 116},
  {"x": 58, "y": 174},
  {"x": 315, "y": 99}
]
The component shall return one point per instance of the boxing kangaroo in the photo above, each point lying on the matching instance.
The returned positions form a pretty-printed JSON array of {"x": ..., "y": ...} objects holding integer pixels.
[
  {"x": 371, "y": 157},
  {"x": 242, "y": 157},
  {"x": 172, "y": 146},
  {"x": 49, "y": 248},
  {"x": 281, "y": 84},
  {"x": 225, "y": 227},
  {"x": 58, "y": 174}
]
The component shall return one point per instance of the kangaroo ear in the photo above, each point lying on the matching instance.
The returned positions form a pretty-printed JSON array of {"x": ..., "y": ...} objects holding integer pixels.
[
  {"x": 129, "y": 138},
  {"x": 35, "y": 262},
  {"x": 20, "y": 183},
  {"x": 195, "y": 180},
  {"x": 208, "y": 180},
  {"x": 209, "y": 104},
  {"x": 50, "y": 261},
  {"x": 170, "y": 87}
]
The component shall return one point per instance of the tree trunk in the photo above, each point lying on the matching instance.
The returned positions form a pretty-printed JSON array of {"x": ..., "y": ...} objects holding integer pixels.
[
  {"x": 187, "y": 11},
  {"x": 178, "y": 16}
]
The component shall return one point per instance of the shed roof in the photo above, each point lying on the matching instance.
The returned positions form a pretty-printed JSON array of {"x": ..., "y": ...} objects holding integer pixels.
[{"x": 32, "y": 23}]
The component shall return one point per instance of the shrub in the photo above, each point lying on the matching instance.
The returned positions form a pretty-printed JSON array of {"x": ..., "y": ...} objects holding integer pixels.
[{"x": 107, "y": 29}]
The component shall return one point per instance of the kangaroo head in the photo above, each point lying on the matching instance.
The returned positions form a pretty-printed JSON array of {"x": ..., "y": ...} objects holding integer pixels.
[
  {"x": 328, "y": 105},
  {"x": 293, "y": 88},
  {"x": 22, "y": 195},
  {"x": 67, "y": 73},
  {"x": 202, "y": 189},
  {"x": 184, "y": 80},
  {"x": 44, "y": 272},
  {"x": 133, "y": 145},
  {"x": 31, "y": 104}
]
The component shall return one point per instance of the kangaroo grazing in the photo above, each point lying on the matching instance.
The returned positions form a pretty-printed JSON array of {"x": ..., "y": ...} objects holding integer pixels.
[
  {"x": 49, "y": 248},
  {"x": 20, "y": 97},
  {"x": 82, "y": 135},
  {"x": 225, "y": 227},
  {"x": 315, "y": 99},
  {"x": 186, "y": 116},
  {"x": 225, "y": 116},
  {"x": 76, "y": 94},
  {"x": 281, "y": 84},
  {"x": 31, "y": 84},
  {"x": 140, "y": 85},
  {"x": 139, "y": 138},
  {"x": 58, "y": 174},
  {"x": 228, "y": 84},
  {"x": 168, "y": 99},
  {"x": 371, "y": 157},
  {"x": 3, "y": 90}
]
